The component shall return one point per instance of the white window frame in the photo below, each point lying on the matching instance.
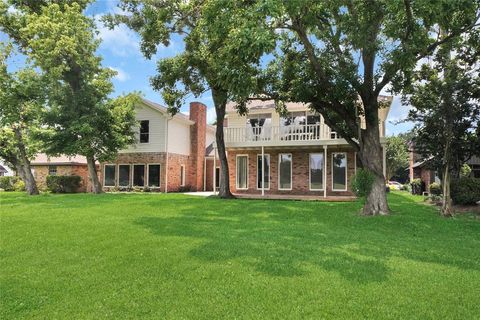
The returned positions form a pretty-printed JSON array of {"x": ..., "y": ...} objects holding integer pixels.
[
  {"x": 116, "y": 174},
  {"x": 236, "y": 171},
  {"x": 269, "y": 176},
  {"x": 291, "y": 172},
  {"x": 310, "y": 172},
  {"x": 159, "y": 173},
  {"x": 129, "y": 178},
  {"x": 133, "y": 171},
  {"x": 346, "y": 171},
  {"x": 182, "y": 175},
  {"x": 140, "y": 133},
  {"x": 56, "y": 170}
]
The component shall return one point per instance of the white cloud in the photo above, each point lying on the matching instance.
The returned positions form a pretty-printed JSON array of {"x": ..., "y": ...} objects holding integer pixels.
[
  {"x": 211, "y": 115},
  {"x": 121, "y": 75},
  {"x": 121, "y": 41}
]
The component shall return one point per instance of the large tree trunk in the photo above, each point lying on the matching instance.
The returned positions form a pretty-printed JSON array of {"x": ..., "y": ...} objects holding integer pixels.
[
  {"x": 371, "y": 156},
  {"x": 220, "y": 101},
  {"x": 92, "y": 173},
  {"x": 30, "y": 184}
]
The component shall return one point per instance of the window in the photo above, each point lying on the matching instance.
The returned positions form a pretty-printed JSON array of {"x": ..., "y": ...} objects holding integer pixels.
[
  {"x": 144, "y": 131},
  {"x": 316, "y": 171},
  {"x": 182, "y": 175},
  {"x": 266, "y": 166},
  {"x": 339, "y": 171},
  {"x": 217, "y": 178},
  {"x": 52, "y": 170},
  {"x": 242, "y": 172},
  {"x": 124, "y": 175},
  {"x": 110, "y": 173},
  {"x": 139, "y": 175},
  {"x": 154, "y": 175},
  {"x": 285, "y": 171}
]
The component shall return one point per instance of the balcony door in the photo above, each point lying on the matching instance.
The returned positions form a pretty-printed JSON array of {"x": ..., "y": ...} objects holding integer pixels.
[{"x": 259, "y": 126}]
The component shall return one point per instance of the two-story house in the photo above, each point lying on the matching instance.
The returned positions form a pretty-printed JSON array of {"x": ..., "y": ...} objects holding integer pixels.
[
  {"x": 296, "y": 154},
  {"x": 172, "y": 153}
]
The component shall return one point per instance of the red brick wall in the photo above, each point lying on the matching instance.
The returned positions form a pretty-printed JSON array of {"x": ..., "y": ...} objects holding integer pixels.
[
  {"x": 41, "y": 173},
  {"x": 174, "y": 163},
  {"x": 198, "y": 114},
  {"x": 300, "y": 171}
]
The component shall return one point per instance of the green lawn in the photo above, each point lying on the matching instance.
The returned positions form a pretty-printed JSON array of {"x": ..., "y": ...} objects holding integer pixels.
[{"x": 173, "y": 256}]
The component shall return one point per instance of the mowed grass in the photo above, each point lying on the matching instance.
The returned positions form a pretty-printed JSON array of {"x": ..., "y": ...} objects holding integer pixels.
[{"x": 173, "y": 256}]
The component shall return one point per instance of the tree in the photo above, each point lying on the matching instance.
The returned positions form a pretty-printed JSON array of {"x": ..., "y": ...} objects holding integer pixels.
[
  {"x": 60, "y": 40},
  {"x": 445, "y": 97},
  {"x": 22, "y": 97},
  {"x": 337, "y": 56},
  {"x": 396, "y": 155},
  {"x": 195, "y": 70}
]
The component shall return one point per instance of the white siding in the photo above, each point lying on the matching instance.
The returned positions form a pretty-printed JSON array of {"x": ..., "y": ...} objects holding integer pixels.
[
  {"x": 210, "y": 137},
  {"x": 157, "y": 131},
  {"x": 178, "y": 137}
]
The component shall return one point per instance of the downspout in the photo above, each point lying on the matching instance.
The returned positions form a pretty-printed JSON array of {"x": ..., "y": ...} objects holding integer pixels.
[
  {"x": 166, "y": 156},
  {"x": 384, "y": 162},
  {"x": 205, "y": 174},
  {"x": 325, "y": 157},
  {"x": 263, "y": 171}
]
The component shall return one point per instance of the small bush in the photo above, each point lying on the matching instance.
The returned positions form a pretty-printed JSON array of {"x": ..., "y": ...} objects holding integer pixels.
[
  {"x": 435, "y": 189},
  {"x": 465, "y": 191},
  {"x": 63, "y": 184},
  {"x": 416, "y": 186},
  {"x": 8, "y": 183},
  {"x": 19, "y": 185},
  {"x": 465, "y": 170},
  {"x": 362, "y": 182}
]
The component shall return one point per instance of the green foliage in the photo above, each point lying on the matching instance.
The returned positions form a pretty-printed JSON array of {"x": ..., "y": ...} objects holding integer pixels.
[
  {"x": 465, "y": 170},
  {"x": 396, "y": 155},
  {"x": 465, "y": 191},
  {"x": 8, "y": 183},
  {"x": 435, "y": 188},
  {"x": 19, "y": 186},
  {"x": 362, "y": 182},
  {"x": 61, "y": 40},
  {"x": 416, "y": 185},
  {"x": 63, "y": 184}
]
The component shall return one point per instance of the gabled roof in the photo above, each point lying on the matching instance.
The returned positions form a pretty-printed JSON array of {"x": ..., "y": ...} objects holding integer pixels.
[
  {"x": 2, "y": 169},
  {"x": 163, "y": 110},
  {"x": 43, "y": 159}
]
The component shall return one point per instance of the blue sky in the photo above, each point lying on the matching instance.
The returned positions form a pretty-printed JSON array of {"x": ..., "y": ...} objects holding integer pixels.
[{"x": 120, "y": 51}]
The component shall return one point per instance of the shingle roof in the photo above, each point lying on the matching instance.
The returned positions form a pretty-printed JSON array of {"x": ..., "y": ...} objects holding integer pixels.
[{"x": 43, "y": 159}]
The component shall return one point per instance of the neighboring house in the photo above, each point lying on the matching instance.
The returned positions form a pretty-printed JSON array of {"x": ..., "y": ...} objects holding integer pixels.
[
  {"x": 43, "y": 166},
  {"x": 5, "y": 170},
  {"x": 420, "y": 168},
  {"x": 301, "y": 154},
  {"x": 181, "y": 143}
]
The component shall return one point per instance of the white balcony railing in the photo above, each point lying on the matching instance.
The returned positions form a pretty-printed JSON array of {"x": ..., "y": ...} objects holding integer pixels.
[{"x": 310, "y": 132}]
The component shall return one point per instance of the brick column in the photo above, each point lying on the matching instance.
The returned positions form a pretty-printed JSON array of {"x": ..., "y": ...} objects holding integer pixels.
[{"x": 198, "y": 114}]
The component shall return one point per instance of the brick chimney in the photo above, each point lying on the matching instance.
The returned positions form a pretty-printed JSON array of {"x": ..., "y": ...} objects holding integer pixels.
[{"x": 198, "y": 114}]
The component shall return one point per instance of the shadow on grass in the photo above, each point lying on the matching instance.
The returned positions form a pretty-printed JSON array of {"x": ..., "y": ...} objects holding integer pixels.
[{"x": 284, "y": 238}]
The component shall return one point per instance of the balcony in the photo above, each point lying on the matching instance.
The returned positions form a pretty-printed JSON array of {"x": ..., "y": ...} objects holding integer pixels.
[{"x": 292, "y": 135}]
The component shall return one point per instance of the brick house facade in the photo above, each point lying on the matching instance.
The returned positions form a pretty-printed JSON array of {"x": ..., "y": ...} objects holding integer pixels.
[
  {"x": 175, "y": 154},
  {"x": 316, "y": 161}
]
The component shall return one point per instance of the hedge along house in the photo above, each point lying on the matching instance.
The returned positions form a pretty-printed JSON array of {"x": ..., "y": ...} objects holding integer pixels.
[
  {"x": 297, "y": 154},
  {"x": 172, "y": 153},
  {"x": 43, "y": 166}
]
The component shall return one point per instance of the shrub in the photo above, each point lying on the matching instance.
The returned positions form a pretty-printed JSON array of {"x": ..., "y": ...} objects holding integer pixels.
[
  {"x": 465, "y": 170},
  {"x": 186, "y": 188},
  {"x": 362, "y": 182},
  {"x": 416, "y": 186},
  {"x": 19, "y": 185},
  {"x": 465, "y": 191},
  {"x": 435, "y": 189},
  {"x": 63, "y": 184},
  {"x": 8, "y": 183}
]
